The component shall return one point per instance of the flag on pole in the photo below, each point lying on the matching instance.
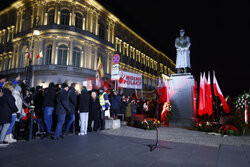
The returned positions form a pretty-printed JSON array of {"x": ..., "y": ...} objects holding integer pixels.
[
  {"x": 40, "y": 54},
  {"x": 209, "y": 96},
  {"x": 246, "y": 112},
  {"x": 217, "y": 92},
  {"x": 201, "y": 96},
  {"x": 205, "y": 94},
  {"x": 29, "y": 55},
  {"x": 99, "y": 68}
]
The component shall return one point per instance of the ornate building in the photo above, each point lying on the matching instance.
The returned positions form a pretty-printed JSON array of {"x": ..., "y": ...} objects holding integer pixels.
[{"x": 73, "y": 34}]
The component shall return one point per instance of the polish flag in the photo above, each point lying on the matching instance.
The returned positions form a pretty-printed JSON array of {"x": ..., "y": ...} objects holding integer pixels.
[
  {"x": 246, "y": 112},
  {"x": 40, "y": 54},
  {"x": 167, "y": 89},
  {"x": 201, "y": 96},
  {"x": 209, "y": 96},
  {"x": 217, "y": 92},
  {"x": 29, "y": 55},
  {"x": 205, "y": 94}
]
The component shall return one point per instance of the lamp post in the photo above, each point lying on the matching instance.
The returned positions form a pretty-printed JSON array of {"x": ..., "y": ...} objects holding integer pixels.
[{"x": 29, "y": 76}]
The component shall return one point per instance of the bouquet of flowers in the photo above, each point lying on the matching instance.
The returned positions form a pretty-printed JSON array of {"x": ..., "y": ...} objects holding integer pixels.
[
  {"x": 229, "y": 130},
  {"x": 150, "y": 124}
]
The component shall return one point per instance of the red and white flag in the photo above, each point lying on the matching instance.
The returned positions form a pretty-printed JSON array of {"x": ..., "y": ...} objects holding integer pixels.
[
  {"x": 246, "y": 112},
  {"x": 201, "y": 96},
  {"x": 205, "y": 94},
  {"x": 217, "y": 92},
  {"x": 209, "y": 96},
  {"x": 40, "y": 54}
]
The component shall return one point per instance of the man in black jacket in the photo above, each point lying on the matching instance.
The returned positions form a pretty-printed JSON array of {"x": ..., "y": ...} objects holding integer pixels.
[
  {"x": 49, "y": 105},
  {"x": 61, "y": 109},
  {"x": 72, "y": 104},
  {"x": 84, "y": 111}
]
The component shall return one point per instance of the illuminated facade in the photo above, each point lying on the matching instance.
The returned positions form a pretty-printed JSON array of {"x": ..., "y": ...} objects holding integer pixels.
[{"x": 73, "y": 34}]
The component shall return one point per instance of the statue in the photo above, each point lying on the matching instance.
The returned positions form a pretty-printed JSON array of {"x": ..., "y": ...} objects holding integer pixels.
[{"x": 182, "y": 45}]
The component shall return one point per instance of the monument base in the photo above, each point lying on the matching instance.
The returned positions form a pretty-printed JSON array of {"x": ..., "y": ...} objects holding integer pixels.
[
  {"x": 112, "y": 124},
  {"x": 182, "y": 99}
]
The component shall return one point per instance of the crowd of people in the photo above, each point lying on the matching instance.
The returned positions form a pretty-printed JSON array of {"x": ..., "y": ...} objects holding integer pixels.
[{"x": 60, "y": 109}]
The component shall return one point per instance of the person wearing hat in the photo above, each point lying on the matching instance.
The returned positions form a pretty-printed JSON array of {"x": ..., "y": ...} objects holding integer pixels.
[
  {"x": 115, "y": 101},
  {"x": 105, "y": 106},
  {"x": 62, "y": 109}
]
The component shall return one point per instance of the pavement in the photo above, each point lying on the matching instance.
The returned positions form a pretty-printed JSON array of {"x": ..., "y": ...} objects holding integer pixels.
[
  {"x": 181, "y": 135},
  {"x": 100, "y": 149}
]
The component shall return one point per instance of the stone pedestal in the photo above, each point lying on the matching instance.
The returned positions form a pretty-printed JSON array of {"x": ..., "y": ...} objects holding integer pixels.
[
  {"x": 182, "y": 99},
  {"x": 112, "y": 124}
]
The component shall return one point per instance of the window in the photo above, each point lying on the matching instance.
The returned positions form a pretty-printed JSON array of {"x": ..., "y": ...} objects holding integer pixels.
[
  {"x": 48, "y": 54},
  {"x": 51, "y": 14},
  {"x": 64, "y": 17},
  {"x": 76, "y": 57},
  {"x": 62, "y": 55},
  {"x": 102, "y": 31},
  {"x": 78, "y": 20}
]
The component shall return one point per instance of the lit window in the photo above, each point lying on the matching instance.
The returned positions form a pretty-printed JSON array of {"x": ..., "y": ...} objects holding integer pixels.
[
  {"x": 48, "y": 54},
  {"x": 78, "y": 20},
  {"x": 62, "y": 55},
  {"x": 51, "y": 14},
  {"x": 76, "y": 57},
  {"x": 64, "y": 17}
]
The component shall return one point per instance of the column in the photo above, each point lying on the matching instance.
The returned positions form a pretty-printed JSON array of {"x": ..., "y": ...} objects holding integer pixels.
[
  {"x": 58, "y": 17},
  {"x": 73, "y": 14},
  {"x": 20, "y": 21},
  {"x": 70, "y": 19},
  {"x": 13, "y": 57},
  {"x": 17, "y": 55},
  {"x": 109, "y": 38},
  {"x": 95, "y": 56},
  {"x": 56, "y": 13},
  {"x": 33, "y": 16},
  {"x": 70, "y": 50},
  {"x": 82, "y": 59},
  {"x": 85, "y": 55},
  {"x": 113, "y": 34},
  {"x": 84, "y": 24},
  {"x": 96, "y": 24},
  {"x": 17, "y": 21},
  {"x": 54, "y": 55},
  {"x": 46, "y": 19}
]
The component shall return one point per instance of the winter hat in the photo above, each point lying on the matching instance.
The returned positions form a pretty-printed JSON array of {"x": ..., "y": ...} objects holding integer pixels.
[{"x": 64, "y": 85}]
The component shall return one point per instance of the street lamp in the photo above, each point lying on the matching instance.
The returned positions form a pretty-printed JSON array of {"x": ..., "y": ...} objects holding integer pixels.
[{"x": 35, "y": 32}]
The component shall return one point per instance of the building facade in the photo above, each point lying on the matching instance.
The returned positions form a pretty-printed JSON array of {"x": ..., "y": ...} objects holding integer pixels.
[{"x": 73, "y": 34}]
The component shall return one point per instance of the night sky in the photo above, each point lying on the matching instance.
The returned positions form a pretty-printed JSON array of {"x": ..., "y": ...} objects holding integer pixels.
[{"x": 219, "y": 32}]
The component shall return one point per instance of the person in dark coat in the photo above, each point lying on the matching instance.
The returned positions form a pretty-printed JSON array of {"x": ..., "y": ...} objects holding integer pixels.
[
  {"x": 8, "y": 107},
  {"x": 72, "y": 104},
  {"x": 115, "y": 101},
  {"x": 38, "y": 103},
  {"x": 124, "y": 105},
  {"x": 61, "y": 109},
  {"x": 49, "y": 106},
  {"x": 84, "y": 111},
  {"x": 94, "y": 111}
]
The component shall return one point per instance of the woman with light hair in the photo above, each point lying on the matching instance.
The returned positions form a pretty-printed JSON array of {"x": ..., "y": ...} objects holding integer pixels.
[{"x": 8, "y": 107}]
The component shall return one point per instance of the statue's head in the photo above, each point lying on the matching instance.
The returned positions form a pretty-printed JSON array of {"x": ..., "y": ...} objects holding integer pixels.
[{"x": 182, "y": 32}]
